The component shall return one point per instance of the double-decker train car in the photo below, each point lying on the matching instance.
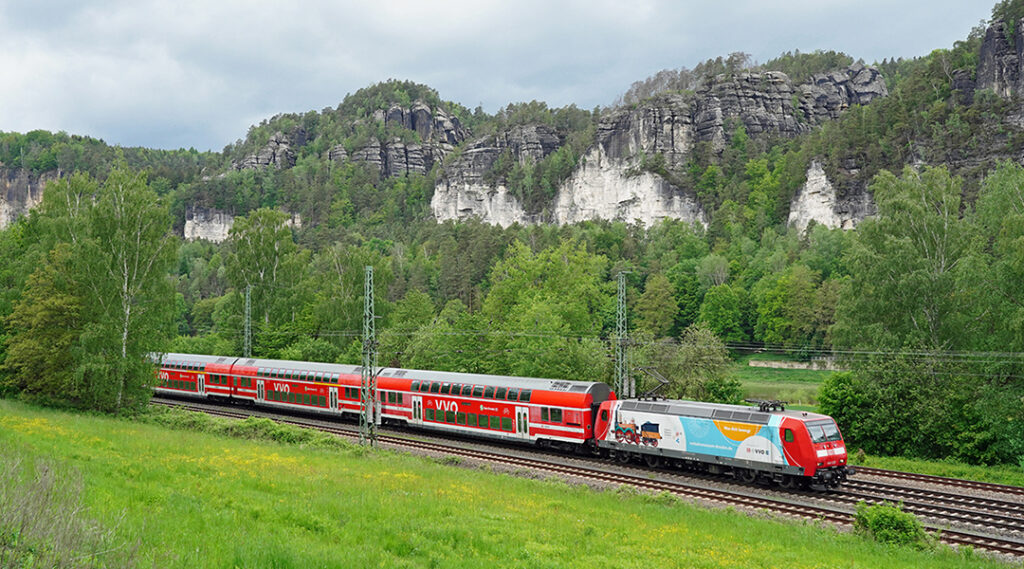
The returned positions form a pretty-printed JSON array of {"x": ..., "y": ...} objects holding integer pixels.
[
  {"x": 791, "y": 448},
  {"x": 556, "y": 412}
]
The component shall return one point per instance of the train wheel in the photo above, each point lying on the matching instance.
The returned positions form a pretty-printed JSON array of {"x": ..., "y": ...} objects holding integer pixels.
[
  {"x": 652, "y": 460},
  {"x": 789, "y": 482},
  {"x": 623, "y": 456},
  {"x": 746, "y": 475}
]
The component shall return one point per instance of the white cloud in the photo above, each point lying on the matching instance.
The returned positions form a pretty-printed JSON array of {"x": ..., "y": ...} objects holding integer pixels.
[{"x": 196, "y": 73}]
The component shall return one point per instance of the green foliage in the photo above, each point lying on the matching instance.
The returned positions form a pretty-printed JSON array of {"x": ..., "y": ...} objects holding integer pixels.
[
  {"x": 697, "y": 367},
  {"x": 888, "y": 523},
  {"x": 800, "y": 67},
  {"x": 104, "y": 285}
]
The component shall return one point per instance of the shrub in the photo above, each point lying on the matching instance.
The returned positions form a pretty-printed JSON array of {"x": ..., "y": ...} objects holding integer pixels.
[{"x": 888, "y": 523}]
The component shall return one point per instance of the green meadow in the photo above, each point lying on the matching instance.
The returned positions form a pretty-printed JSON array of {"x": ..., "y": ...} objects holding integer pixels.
[{"x": 158, "y": 496}]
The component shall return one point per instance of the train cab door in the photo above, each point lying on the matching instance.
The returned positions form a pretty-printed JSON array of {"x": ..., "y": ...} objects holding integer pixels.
[
  {"x": 523, "y": 422},
  {"x": 259, "y": 390},
  {"x": 333, "y": 391},
  {"x": 417, "y": 410}
]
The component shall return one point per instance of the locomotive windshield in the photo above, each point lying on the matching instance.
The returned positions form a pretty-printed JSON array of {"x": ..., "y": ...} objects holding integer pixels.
[{"x": 824, "y": 431}]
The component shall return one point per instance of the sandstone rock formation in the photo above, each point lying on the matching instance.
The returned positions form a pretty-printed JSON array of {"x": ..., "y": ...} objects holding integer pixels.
[
  {"x": 20, "y": 191},
  {"x": 277, "y": 153},
  {"x": 614, "y": 181},
  {"x": 438, "y": 133},
  {"x": 817, "y": 201}
]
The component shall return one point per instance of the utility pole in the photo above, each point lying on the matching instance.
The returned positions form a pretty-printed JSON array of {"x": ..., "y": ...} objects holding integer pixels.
[
  {"x": 624, "y": 384},
  {"x": 247, "y": 341},
  {"x": 368, "y": 419}
]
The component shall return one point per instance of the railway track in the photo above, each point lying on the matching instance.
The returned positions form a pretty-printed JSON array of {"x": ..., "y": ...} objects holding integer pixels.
[
  {"x": 943, "y": 481},
  {"x": 835, "y": 508}
]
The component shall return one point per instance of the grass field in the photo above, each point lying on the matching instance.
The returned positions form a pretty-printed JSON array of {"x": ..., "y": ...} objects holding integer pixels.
[
  {"x": 797, "y": 386},
  {"x": 193, "y": 499}
]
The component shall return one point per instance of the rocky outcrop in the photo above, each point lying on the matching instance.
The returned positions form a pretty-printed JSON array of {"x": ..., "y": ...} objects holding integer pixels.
[
  {"x": 215, "y": 225},
  {"x": 20, "y": 191},
  {"x": 277, "y": 153},
  {"x": 829, "y": 94},
  {"x": 206, "y": 223},
  {"x": 437, "y": 131},
  {"x": 999, "y": 64},
  {"x": 817, "y": 201},
  {"x": 616, "y": 178},
  {"x": 469, "y": 186}
]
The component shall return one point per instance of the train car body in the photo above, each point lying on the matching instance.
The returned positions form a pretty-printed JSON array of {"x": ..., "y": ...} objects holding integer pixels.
[
  {"x": 788, "y": 447},
  {"x": 503, "y": 407}
]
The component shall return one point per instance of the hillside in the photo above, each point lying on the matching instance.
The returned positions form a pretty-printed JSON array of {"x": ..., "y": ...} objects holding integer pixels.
[{"x": 724, "y": 194}]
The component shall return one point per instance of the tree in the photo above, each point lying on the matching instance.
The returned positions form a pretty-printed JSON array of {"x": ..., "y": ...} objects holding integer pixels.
[
  {"x": 112, "y": 251},
  {"x": 722, "y": 313},
  {"x": 696, "y": 366},
  {"x": 909, "y": 286},
  {"x": 656, "y": 308}
]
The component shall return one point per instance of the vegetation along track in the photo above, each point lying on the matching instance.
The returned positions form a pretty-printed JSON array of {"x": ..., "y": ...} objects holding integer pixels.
[{"x": 833, "y": 508}]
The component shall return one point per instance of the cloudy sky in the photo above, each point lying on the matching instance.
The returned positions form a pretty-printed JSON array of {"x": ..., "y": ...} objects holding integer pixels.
[{"x": 198, "y": 73}]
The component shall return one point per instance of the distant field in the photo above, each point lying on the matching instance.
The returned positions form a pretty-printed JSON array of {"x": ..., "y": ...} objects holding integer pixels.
[
  {"x": 200, "y": 500},
  {"x": 798, "y": 386}
]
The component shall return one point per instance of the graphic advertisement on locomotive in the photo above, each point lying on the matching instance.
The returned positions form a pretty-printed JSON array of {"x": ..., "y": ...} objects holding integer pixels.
[{"x": 697, "y": 435}]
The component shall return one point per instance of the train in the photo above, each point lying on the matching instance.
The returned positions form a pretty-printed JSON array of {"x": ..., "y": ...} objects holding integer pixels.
[{"x": 764, "y": 443}]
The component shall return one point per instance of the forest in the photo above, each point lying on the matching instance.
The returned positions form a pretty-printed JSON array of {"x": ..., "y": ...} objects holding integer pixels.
[{"x": 923, "y": 303}]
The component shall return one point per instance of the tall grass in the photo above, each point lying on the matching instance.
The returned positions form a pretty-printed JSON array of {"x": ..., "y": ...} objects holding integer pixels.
[
  {"x": 44, "y": 523},
  {"x": 194, "y": 499}
]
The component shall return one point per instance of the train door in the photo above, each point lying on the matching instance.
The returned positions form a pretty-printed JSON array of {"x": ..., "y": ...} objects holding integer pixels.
[
  {"x": 417, "y": 409},
  {"x": 523, "y": 422},
  {"x": 259, "y": 390},
  {"x": 334, "y": 398},
  {"x": 201, "y": 383}
]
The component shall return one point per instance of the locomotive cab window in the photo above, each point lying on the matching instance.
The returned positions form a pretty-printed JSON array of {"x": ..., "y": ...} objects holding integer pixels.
[
  {"x": 604, "y": 415},
  {"x": 787, "y": 435}
]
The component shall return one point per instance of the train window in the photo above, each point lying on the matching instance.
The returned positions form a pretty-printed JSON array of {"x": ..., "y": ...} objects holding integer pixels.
[
  {"x": 524, "y": 395},
  {"x": 390, "y": 397},
  {"x": 489, "y": 393},
  {"x": 483, "y": 421},
  {"x": 415, "y": 386},
  {"x": 556, "y": 415},
  {"x": 400, "y": 399},
  {"x": 467, "y": 390},
  {"x": 445, "y": 388},
  {"x": 513, "y": 394},
  {"x": 788, "y": 435},
  {"x": 449, "y": 416},
  {"x": 543, "y": 413},
  {"x": 471, "y": 419},
  {"x": 478, "y": 391},
  {"x": 435, "y": 387},
  {"x": 604, "y": 414},
  {"x": 430, "y": 414},
  {"x": 495, "y": 422},
  {"x": 506, "y": 424},
  {"x": 500, "y": 393},
  {"x": 460, "y": 418}
]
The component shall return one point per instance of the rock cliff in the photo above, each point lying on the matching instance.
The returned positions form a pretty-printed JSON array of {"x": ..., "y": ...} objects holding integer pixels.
[
  {"x": 614, "y": 179},
  {"x": 437, "y": 131},
  {"x": 1000, "y": 62},
  {"x": 817, "y": 201},
  {"x": 20, "y": 191}
]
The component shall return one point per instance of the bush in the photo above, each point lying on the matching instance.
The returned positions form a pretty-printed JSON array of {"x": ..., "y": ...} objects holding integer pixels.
[{"x": 887, "y": 523}]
